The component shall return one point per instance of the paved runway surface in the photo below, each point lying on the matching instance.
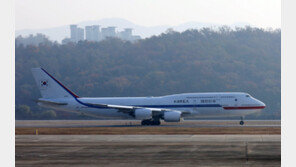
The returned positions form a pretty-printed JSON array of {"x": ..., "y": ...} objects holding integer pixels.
[
  {"x": 148, "y": 150},
  {"x": 257, "y": 143},
  {"x": 148, "y": 138},
  {"x": 135, "y": 123},
  {"x": 127, "y": 127}
]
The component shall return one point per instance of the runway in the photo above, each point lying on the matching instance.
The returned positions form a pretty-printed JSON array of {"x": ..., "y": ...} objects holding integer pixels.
[
  {"x": 148, "y": 138},
  {"x": 126, "y": 127},
  {"x": 135, "y": 123},
  {"x": 148, "y": 150},
  {"x": 126, "y": 143}
]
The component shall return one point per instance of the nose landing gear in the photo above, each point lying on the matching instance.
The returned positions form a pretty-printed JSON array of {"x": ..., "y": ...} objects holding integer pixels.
[{"x": 242, "y": 121}]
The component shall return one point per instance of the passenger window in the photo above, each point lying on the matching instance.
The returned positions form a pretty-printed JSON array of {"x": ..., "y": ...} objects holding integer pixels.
[{"x": 235, "y": 99}]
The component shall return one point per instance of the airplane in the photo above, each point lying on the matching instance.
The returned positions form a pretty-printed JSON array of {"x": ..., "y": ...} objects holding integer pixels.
[{"x": 150, "y": 110}]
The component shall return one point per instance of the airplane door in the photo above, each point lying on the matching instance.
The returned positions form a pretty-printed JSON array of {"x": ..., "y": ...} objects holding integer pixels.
[
  {"x": 235, "y": 102},
  {"x": 195, "y": 103}
]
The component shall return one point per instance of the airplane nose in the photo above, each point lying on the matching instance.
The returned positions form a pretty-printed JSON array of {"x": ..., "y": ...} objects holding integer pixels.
[{"x": 261, "y": 104}]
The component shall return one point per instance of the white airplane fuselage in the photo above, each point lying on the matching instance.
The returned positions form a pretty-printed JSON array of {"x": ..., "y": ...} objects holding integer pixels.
[{"x": 195, "y": 104}]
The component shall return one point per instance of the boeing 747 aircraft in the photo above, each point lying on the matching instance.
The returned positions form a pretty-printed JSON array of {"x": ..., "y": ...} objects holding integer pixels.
[{"x": 170, "y": 108}]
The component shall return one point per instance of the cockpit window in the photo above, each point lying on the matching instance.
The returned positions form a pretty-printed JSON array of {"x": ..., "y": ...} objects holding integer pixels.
[{"x": 247, "y": 95}]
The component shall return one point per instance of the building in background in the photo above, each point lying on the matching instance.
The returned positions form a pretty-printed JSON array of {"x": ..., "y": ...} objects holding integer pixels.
[
  {"x": 77, "y": 34},
  {"x": 108, "y": 32},
  {"x": 97, "y": 33},
  {"x": 126, "y": 34},
  {"x": 94, "y": 33},
  {"x": 32, "y": 40},
  {"x": 80, "y": 34},
  {"x": 73, "y": 30}
]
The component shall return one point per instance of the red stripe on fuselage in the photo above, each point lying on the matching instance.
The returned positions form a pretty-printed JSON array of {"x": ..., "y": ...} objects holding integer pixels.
[{"x": 244, "y": 108}]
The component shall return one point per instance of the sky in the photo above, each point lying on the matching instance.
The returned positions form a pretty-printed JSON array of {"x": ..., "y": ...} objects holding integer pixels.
[{"x": 38, "y": 14}]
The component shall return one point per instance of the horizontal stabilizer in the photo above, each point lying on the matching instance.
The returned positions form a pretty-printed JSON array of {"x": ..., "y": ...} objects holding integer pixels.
[{"x": 50, "y": 102}]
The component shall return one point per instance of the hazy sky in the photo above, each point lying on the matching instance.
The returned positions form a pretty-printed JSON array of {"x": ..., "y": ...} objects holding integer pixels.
[{"x": 35, "y": 14}]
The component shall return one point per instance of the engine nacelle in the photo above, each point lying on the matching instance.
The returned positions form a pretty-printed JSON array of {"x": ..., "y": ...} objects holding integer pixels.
[
  {"x": 143, "y": 113},
  {"x": 172, "y": 116}
]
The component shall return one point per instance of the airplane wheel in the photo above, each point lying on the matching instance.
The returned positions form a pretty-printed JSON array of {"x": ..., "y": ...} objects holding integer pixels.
[
  {"x": 144, "y": 122},
  {"x": 156, "y": 122},
  {"x": 241, "y": 122},
  {"x": 150, "y": 122}
]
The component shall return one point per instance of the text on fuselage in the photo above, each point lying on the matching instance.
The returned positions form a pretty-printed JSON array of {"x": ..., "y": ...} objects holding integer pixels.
[{"x": 181, "y": 101}]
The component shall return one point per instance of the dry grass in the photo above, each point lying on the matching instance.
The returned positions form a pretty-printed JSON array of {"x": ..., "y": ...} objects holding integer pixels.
[{"x": 146, "y": 130}]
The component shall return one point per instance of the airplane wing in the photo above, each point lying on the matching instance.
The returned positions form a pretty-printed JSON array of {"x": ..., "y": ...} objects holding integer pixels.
[{"x": 129, "y": 109}]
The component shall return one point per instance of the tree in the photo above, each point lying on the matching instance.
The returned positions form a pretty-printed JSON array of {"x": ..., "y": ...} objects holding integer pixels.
[
  {"x": 23, "y": 112},
  {"x": 49, "y": 114}
]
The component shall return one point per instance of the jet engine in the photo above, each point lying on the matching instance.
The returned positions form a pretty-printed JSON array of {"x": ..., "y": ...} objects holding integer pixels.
[
  {"x": 143, "y": 113},
  {"x": 172, "y": 116}
]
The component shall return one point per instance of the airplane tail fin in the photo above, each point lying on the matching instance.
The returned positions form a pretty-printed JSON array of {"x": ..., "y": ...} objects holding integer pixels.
[{"x": 50, "y": 87}]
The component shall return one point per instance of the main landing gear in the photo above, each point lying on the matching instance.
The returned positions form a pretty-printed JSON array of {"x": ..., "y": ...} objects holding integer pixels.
[
  {"x": 150, "y": 122},
  {"x": 242, "y": 121}
]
